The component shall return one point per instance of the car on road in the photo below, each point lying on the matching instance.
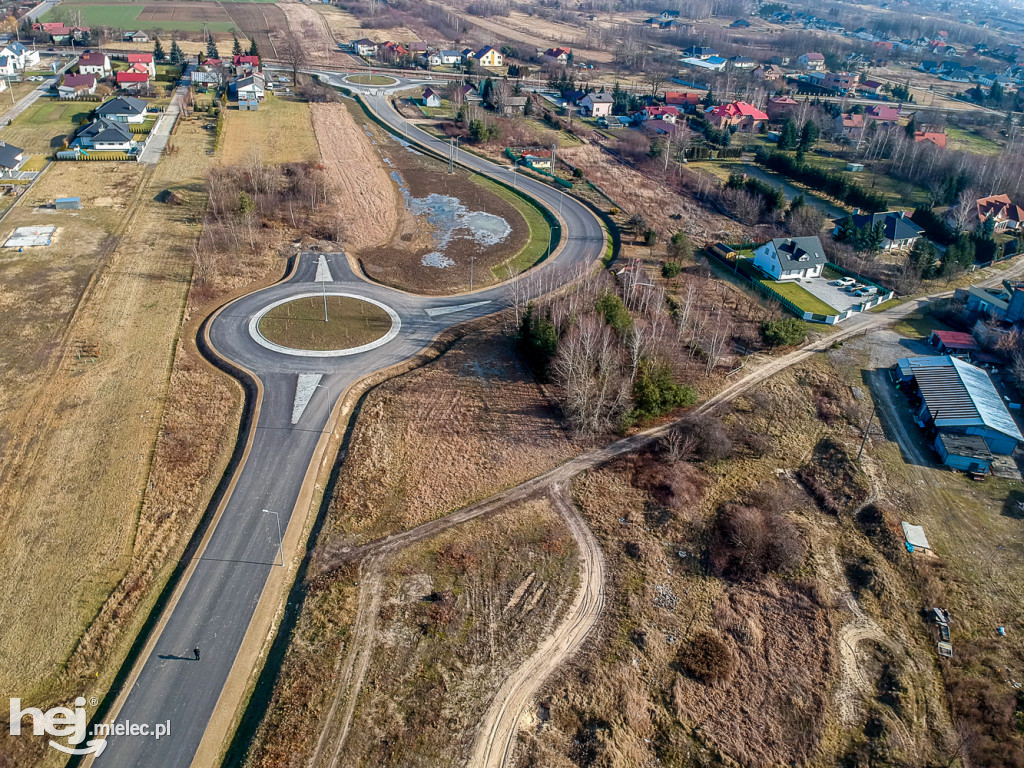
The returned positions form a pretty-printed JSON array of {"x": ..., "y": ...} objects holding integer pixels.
[{"x": 842, "y": 282}]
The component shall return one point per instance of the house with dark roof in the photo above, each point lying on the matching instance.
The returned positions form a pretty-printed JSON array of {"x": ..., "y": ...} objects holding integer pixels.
[
  {"x": 597, "y": 104},
  {"x": 899, "y": 229},
  {"x": 489, "y": 57},
  {"x": 105, "y": 135},
  {"x": 740, "y": 24},
  {"x": 75, "y": 86},
  {"x": 11, "y": 158},
  {"x": 430, "y": 98},
  {"x": 791, "y": 258},
  {"x": 123, "y": 109},
  {"x": 699, "y": 52},
  {"x": 94, "y": 63},
  {"x": 364, "y": 47}
]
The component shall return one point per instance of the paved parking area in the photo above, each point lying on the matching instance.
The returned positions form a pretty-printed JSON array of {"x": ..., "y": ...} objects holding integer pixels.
[{"x": 832, "y": 295}]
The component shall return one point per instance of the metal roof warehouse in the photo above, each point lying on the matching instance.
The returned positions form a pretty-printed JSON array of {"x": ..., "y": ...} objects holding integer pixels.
[{"x": 960, "y": 398}]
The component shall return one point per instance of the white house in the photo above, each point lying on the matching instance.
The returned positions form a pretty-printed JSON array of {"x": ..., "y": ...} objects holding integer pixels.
[
  {"x": 449, "y": 58},
  {"x": 597, "y": 104},
  {"x": 137, "y": 37},
  {"x": 433, "y": 59},
  {"x": 11, "y": 158},
  {"x": 75, "y": 86},
  {"x": 8, "y": 66},
  {"x": 811, "y": 61},
  {"x": 791, "y": 258},
  {"x": 251, "y": 87},
  {"x": 22, "y": 56},
  {"x": 123, "y": 109},
  {"x": 364, "y": 47},
  {"x": 105, "y": 135},
  {"x": 431, "y": 98},
  {"x": 94, "y": 63}
]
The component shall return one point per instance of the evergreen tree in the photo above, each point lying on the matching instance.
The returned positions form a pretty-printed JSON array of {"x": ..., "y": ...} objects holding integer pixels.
[
  {"x": 846, "y": 232},
  {"x": 253, "y": 50},
  {"x": 211, "y": 48},
  {"x": 158, "y": 51},
  {"x": 808, "y": 135},
  {"x": 790, "y": 135},
  {"x": 911, "y": 127},
  {"x": 177, "y": 57},
  {"x": 922, "y": 256},
  {"x": 709, "y": 98},
  {"x": 236, "y": 49}
]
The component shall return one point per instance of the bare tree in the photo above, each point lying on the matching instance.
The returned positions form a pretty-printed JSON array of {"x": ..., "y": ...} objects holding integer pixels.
[{"x": 964, "y": 210}]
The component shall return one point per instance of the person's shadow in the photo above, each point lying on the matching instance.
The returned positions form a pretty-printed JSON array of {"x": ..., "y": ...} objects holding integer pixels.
[{"x": 172, "y": 657}]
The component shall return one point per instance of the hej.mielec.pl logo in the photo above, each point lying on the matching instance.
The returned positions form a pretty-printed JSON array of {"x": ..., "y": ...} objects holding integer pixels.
[{"x": 72, "y": 725}]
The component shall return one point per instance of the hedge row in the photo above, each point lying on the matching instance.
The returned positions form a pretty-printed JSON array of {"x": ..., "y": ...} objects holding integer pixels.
[{"x": 830, "y": 182}]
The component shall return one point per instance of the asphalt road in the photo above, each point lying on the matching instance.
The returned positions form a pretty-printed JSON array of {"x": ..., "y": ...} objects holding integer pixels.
[{"x": 221, "y": 595}]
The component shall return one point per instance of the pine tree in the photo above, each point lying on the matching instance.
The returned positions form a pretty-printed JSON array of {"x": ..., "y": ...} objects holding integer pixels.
[
  {"x": 253, "y": 50},
  {"x": 176, "y": 57},
  {"x": 158, "y": 51},
  {"x": 790, "y": 135},
  {"x": 236, "y": 49},
  {"x": 211, "y": 48},
  {"x": 808, "y": 135}
]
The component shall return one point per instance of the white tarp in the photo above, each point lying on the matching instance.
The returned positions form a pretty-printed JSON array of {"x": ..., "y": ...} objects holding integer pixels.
[
  {"x": 914, "y": 534},
  {"x": 24, "y": 237}
]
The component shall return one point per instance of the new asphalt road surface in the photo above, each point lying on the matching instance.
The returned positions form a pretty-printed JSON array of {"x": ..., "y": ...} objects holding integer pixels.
[{"x": 219, "y": 599}]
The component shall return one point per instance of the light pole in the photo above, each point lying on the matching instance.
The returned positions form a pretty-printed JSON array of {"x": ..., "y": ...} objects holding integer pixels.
[
  {"x": 280, "y": 538},
  {"x": 471, "y": 260},
  {"x": 330, "y": 407}
]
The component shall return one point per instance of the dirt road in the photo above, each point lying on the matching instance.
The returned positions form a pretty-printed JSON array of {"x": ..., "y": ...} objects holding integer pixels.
[{"x": 496, "y": 740}]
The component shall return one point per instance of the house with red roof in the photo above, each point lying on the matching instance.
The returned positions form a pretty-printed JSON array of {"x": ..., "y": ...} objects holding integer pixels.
[
  {"x": 811, "y": 61},
  {"x": 558, "y": 54},
  {"x": 132, "y": 81},
  {"x": 882, "y": 114},
  {"x": 851, "y": 126},
  {"x": 682, "y": 99},
  {"x": 938, "y": 138},
  {"x": 781, "y": 107},
  {"x": 953, "y": 342},
  {"x": 142, "y": 58},
  {"x": 243, "y": 63},
  {"x": 739, "y": 114},
  {"x": 1003, "y": 212},
  {"x": 667, "y": 113}
]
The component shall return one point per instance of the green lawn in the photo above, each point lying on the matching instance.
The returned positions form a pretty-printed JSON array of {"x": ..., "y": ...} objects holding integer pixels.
[
  {"x": 540, "y": 232},
  {"x": 126, "y": 16},
  {"x": 370, "y": 80},
  {"x": 41, "y": 128},
  {"x": 901, "y": 193},
  {"x": 960, "y": 139},
  {"x": 792, "y": 292}
]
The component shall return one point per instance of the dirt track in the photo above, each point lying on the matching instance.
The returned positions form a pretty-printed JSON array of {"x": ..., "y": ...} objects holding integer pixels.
[{"x": 357, "y": 175}]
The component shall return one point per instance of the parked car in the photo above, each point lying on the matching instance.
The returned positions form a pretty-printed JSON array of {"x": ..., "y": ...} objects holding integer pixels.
[
  {"x": 868, "y": 290},
  {"x": 843, "y": 281},
  {"x": 855, "y": 287}
]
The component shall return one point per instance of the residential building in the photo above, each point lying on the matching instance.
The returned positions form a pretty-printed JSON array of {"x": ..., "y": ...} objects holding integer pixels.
[
  {"x": 957, "y": 398},
  {"x": 781, "y": 107},
  {"x": 699, "y": 52},
  {"x": 850, "y": 126},
  {"x": 1005, "y": 303},
  {"x": 741, "y": 62},
  {"x": 938, "y": 138},
  {"x": 559, "y": 54},
  {"x": 882, "y": 114},
  {"x": 514, "y": 105},
  {"x": 205, "y": 77},
  {"x": 8, "y": 66},
  {"x": 364, "y": 47},
  {"x": 791, "y": 258},
  {"x": 75, "y": 86},
  {"x": 714, "y": 64},
  {"x": 431, "y": 98},
  {"x": 250, "y": 87},
  {"x": 899, "y": 231},
  {"x": 739, "y": 115},
  {"x": 597, "y": 104},
  {"x": 844, "y": 82},
  {"x": 11, "y": 158},
  {"x": 489, "y": 57},
  {"x": 872, "y": 87},
  {"x": 811, "y": 61},
  {"x": 469, "y": 93},
  {"x": 123, "y": 109},
  {"x": 449, "y": 58},
  {"x": 245, "y": 64},
  {"x": 1002, "y": 211},
  {"x": 137, "y": 37},
  {"x": 94, "y": 63},
  {"x": 667, "y": 113},
  {"x": 685, "y": 101},
  {"x": 133, "y": 81},
  {"x": 105, "y": 135},
  {"x": 768, "y": 72},
  {"x": 145, "y": 59}
]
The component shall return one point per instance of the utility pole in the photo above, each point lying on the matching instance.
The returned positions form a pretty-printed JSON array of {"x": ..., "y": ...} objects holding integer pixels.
[
  {"x": 280, "y": 538},
  {"x": 867, "y": 431},
  {"x": 324, "y": 287}
]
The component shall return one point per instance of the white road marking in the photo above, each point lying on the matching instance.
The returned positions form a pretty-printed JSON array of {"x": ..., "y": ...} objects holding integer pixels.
[
  {"x": 323, "y": 271},
  {"x": 437, "y": 311},
  {"x": 305, "y": 386}
]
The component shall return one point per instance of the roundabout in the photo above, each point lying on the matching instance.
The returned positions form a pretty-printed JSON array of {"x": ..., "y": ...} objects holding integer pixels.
[
  {"x": 326, "y": 324},
  {"x": 378, "y": 80}
]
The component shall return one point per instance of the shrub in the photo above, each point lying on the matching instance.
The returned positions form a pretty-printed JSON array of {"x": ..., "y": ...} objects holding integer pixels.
[
  {"x": 615, "y": 313},
  {"x": 538, "y": 342},
  {"x": 671, "y": 269},
  {"x": 783, "y": 332},
  {"x": 655, "y": 393},
  {"x": 748, "y": 543},
  {"x": 709, "y": 658}
]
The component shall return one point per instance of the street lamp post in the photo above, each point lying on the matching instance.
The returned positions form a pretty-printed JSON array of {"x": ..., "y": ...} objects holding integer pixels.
[
  {"x": 280, "y": 538},
  {"x": 330, "y": 407}
]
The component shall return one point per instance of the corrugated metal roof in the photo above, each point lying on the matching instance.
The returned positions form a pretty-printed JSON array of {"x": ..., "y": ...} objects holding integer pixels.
[{"x": 960, "y": 394}]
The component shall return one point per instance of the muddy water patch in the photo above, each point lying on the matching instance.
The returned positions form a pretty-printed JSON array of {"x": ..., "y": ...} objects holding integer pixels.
[{"x": 452, "y": 220}]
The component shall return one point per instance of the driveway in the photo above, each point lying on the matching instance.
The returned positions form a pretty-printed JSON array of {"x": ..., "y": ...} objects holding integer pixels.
[
  {"x": 832, "y": 295},
  {"x": 161, "y": 132}
]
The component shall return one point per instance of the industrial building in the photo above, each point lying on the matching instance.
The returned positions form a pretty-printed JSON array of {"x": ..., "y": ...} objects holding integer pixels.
[{"x": 959, "y": 405}]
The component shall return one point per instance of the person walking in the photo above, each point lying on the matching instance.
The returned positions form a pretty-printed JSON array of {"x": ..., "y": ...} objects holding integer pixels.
[{"x": 195, "y": 652}]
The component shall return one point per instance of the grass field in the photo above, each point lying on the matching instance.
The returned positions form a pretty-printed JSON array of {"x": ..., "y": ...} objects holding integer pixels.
[
  {"x": 42, "y": 128},
  {"x": 196, "y": 16},
  {"x": 370, "y": 79},
  {"x": 801, "y": 297},
  {"x": 536, "y": 247},
  {"x": 280, "y": 132},
  {"x": 960, "y": 139},
  {"x": 300, "y": 324}
]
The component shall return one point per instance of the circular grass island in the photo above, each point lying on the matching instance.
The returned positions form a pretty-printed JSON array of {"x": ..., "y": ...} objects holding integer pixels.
[
  {"x": 300, "y": 324},
  {"x": 371, "y": 80}
]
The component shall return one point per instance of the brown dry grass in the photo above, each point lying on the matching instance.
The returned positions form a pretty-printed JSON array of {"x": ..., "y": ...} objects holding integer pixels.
[
  {"x": 356, "y": 174},
  {"x": 279, "y": 132},
  {"x": 460, "y": 429},
  {"x": 345, "y": 28}
]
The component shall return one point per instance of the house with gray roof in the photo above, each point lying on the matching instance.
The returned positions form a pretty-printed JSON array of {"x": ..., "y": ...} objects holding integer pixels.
[
  {"x": 784, "y": 258},
  {"x": 11, "y": 158},
  {"x": 123, "y": 109},
  {"x": 899, "y": 229},
  {"x": 106, "y": 136}
]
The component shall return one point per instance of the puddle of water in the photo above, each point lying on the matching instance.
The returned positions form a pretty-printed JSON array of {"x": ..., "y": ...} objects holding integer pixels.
[{"x": 451, "y": 219}]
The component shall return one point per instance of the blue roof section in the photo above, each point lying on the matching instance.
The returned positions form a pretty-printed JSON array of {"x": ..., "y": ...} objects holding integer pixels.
[{"x": 957, "y": 393}]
